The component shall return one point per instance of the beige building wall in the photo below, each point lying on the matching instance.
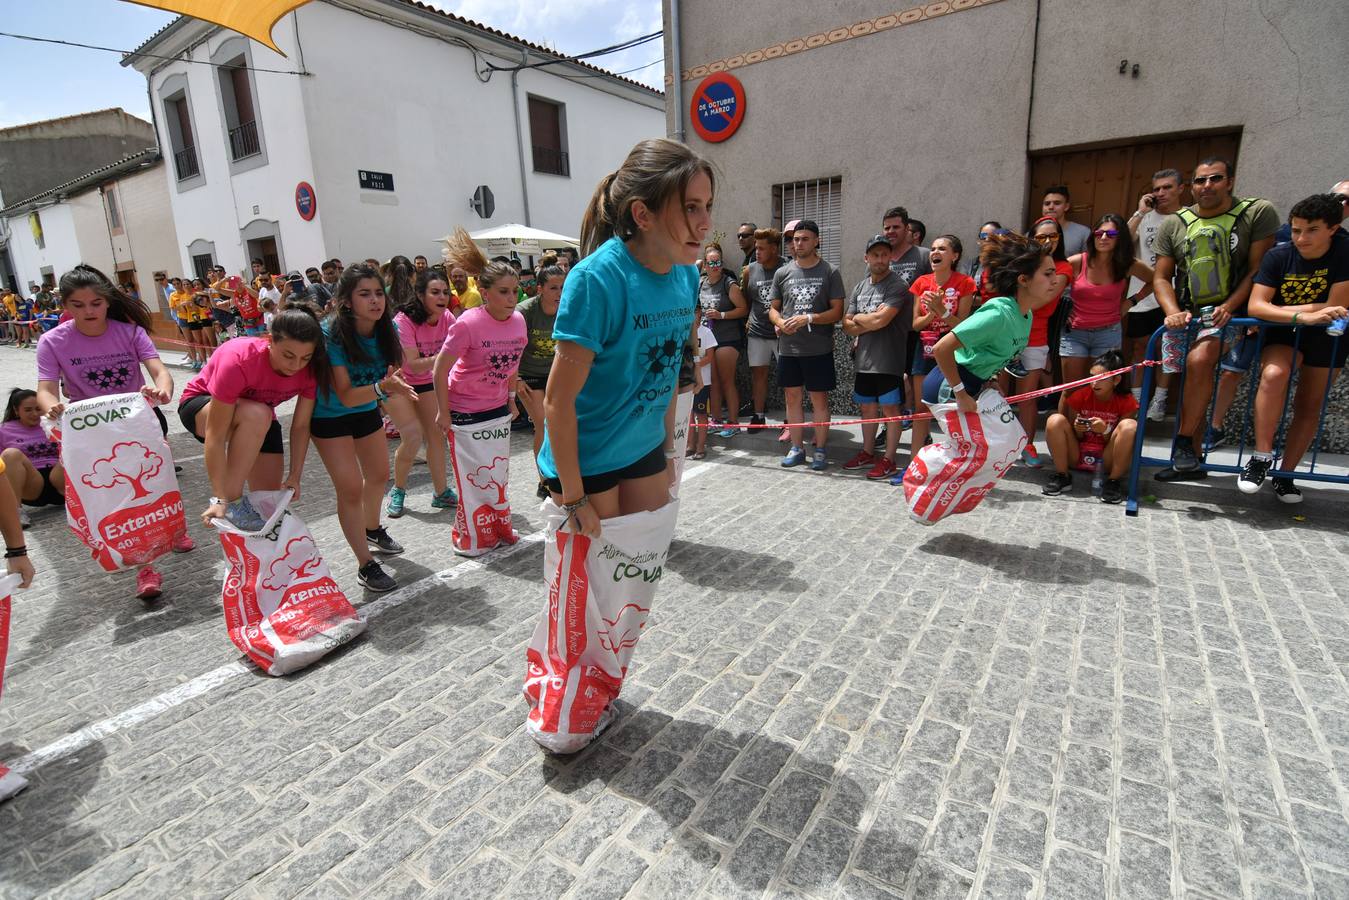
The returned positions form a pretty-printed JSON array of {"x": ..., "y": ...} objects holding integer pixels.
[
  {"x": 149, "y": 234},
  {"x": 935, "y": 113}
]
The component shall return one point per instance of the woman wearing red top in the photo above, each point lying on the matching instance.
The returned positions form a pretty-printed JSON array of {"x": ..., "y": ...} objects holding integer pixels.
[
  {"x": 1094, "y": 424},
  {"x": 1101, "y": 295},
  {"x": 941, "y": 301},
  {"x": 1032, "y": 368}
]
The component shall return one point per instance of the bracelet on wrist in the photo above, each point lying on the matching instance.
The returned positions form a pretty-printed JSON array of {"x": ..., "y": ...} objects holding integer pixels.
[
  {"x": 380, "y": 394},
  {"x": 958, "y": 387},
  {"x": 14, "y": 552},
  {"x": 572, "y": 508}
]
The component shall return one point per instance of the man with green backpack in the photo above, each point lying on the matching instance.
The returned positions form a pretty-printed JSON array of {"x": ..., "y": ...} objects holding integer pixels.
[{"x": 1211, "y": 250}]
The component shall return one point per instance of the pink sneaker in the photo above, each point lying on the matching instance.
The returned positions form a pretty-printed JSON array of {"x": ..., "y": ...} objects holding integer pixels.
[
  {"x": 184, "y": 544},
  {"x": 149, "y": 584},
  {"x": 785, "y": 436}
]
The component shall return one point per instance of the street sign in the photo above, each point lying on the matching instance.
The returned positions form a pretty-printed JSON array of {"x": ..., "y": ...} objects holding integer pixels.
[
  {"x": 484, "y": 202},
  {"x": 718, "y": 107},
  {"x": 306, "y": 201},
  {"x": 376, "y": 181}
]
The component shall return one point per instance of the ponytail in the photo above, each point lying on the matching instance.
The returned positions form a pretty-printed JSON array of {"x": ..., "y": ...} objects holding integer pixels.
[
  {"x": 655, "y": 172},
  {"x": 462, "y": 252}
]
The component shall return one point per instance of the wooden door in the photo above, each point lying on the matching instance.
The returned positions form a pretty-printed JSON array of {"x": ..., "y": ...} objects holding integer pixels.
[{"x": 1113, "y": 178}]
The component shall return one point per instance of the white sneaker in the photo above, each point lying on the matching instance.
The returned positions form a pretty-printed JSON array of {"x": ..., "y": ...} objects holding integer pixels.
[{"x": 1157, "y": 409}]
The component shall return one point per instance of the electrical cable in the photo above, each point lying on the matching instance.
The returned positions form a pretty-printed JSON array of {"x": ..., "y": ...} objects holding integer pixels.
[{"x": 603, "y": 51}]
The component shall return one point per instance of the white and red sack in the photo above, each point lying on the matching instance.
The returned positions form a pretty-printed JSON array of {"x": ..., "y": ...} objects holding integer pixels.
[
  {"x": 122, "y": 497},
  {"x": 954, "y": 474},
  {"x": 11, "y": 782},
  {"x": 282, "y": 608},
  {"x": 599, "y": 594},
  {"x": 482, "y": 468},
  {"x": 683, "y": 412}
]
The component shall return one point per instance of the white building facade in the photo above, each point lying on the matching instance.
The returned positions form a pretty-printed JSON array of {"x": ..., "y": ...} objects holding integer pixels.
[
  {"x": 380, "y": 145},
  {"x": 117, "y": 218}
]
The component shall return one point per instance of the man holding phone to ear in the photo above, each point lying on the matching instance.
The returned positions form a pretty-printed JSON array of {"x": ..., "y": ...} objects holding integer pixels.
[{"x": 1146, "y": 316}]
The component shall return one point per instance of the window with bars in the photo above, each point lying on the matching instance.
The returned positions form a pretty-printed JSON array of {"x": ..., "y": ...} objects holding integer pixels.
[
  {"x": 548, "y": 136},
  {"x": 820, "y": 200}
]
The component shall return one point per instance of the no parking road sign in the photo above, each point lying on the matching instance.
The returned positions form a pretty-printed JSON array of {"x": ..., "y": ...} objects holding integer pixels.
[{"x": 718, "y": 107}]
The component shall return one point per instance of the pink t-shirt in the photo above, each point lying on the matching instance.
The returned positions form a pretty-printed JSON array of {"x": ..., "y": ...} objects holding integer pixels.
[
  {"x": 241, "y": 369},
  {"x": 95, "y": 366},
  {"x": 32, "y": 442},
  {"x": 421, "y": 341},
  {"x": 487, "y": 353}
]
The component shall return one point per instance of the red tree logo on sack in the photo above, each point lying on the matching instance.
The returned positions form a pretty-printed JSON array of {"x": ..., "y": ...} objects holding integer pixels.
[
  {"x": 493, "y": 476},
  {"x": 624, "y": 629},
  {"x": 131, "y": 462},
  {"x": 298, "y": 561}
]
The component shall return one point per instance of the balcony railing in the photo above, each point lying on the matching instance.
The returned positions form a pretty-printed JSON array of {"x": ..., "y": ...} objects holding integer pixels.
[
  {"x": 185, "y": 161},
  {"x": 244, "y": 141},
  {"x": 550, "y": 161}
]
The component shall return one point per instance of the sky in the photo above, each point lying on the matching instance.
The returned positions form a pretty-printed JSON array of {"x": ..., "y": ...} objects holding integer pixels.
[{"x": 46, "y": 81}]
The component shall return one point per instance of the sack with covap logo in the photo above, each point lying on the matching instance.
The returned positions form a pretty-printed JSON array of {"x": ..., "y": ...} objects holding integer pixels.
[
  {"x": 482, "y": 466},
  {"x": 282, "y": 608},
  {"x": 599, "y": 594},
  {"x": 122, "y": 496},
  {"x": 683, "y": 412},
  {"x": 10, "y": 782},
  {"x": 954, "y": 474}
]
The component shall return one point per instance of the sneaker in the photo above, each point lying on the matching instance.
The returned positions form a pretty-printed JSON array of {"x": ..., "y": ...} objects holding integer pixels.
[
  {"x": 883, "y": 469},
  {"x": 1286, "y": 491},
  {"x": 445, "y": 499},
  {"x": 1030, "y": 459},
  {"x": 396, "y": 497},
  {"x": 25, "y": 520},
  {"x": 1214, "y": 438},
  {"x": 243, "y": 516},
  {"x": 729, "y": 431},
  {"x": 149, "y": 584},
  {"x": 906, "y": 424},
  {"x": 1157, "y": 409},
  {"x": 880, "y": 436},
  {"x": 373, "y": 577},
  {"x": 542, "y": 491},
  {"x": 860, "y": 461},
  {"x": 1253, "y": 474},
  {"x": 1059, "y": 483},
  {"x": 1112, "y": 491},
  {"x": 757, "y": 419},
  {"x": 1183, "y": 458},
  {"x": 1015, "y": 369},
  {"x": 389, "y": 430},
  {"x": 794, "y": 457},
  {"x": 378, "y": 539},
  {"x": 184, "y": 544},
  {"x": 819, "y": 461},
  {"x": 785, "y": 436}
]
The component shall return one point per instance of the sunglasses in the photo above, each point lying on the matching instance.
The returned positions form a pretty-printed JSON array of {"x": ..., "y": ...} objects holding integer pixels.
[
  {"x": 1047, "y": 238},
  {"x": 1106, "y": 232},
  {"x": 984, "y": 237},
  {"x": 745, "y": 234},
  {"x": 1201, "y": 180},
  {"x": 713, "y": 265}
]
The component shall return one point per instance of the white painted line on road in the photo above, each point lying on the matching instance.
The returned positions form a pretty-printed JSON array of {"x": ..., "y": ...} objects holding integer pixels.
[{"x": 91, "y": 734}]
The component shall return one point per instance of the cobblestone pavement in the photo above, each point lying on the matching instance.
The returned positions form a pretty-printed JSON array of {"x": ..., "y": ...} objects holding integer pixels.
[{"x": 1038, "y": 699}]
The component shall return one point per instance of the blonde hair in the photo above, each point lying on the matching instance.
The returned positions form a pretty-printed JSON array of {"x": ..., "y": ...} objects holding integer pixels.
[
  {"x": 655, "y": 171},
  {"x": 461, "y": 252}
]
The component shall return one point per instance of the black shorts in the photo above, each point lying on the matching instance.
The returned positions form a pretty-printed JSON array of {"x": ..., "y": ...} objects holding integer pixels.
[
  {"x": 878, "y": 385},
  {"x": 1318, "y": 349},
  {"x": 50, "y": 496},
  {"x": 815, "y": 373},
  {"x": 194, "y": 326},
  {"x": 353, "y": 425},
  {"x": 487, "y": 415},
  {"x": 428, "y": 388},
  {"x": 701, "y": 399},
  {"x": 1142, "y": 325},
  {"x": 189, "y": 409},
  {"x": 645, "y": 467}
]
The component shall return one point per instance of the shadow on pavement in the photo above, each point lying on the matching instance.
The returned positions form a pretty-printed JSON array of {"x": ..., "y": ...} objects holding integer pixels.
[
  {"x": 1046, "y": 563},
  {"x": 712, "y": 565}
]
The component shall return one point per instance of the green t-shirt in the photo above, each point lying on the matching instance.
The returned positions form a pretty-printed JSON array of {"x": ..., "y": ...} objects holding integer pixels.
[
  {"x": 992, "y": 335},
  {"x": 538, "y": 356},
  {"x": 1259, "y": 221}
]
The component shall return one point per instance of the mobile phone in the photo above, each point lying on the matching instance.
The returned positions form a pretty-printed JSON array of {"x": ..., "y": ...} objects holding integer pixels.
[{"x": 1150, "y": 201}]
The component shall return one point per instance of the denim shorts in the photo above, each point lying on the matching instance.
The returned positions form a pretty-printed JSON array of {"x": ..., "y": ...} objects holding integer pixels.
[{"x": 1090, "y": 342}]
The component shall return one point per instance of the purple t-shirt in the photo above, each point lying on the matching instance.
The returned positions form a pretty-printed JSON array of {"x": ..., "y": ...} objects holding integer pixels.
[
  {"x": 242, "y": 369},
  {"x": 421, "y": 341},
  {"x": 32, "y": 442},
  {"x": 487, "y": 353},
  {"x": 95, "y": 366}
]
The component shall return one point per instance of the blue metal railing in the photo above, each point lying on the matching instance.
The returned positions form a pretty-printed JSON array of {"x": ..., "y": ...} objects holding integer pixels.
[{"x": 1149, "y": 379}]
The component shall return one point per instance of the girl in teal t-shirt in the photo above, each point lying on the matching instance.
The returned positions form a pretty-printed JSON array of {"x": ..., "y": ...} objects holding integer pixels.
[
  {"x": 1022, "y": 276},
  {"x": 625, "y": 316}
]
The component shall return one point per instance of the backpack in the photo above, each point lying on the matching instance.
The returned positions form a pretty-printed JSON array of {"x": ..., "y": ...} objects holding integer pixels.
[{"x": 1209, "y": 245}]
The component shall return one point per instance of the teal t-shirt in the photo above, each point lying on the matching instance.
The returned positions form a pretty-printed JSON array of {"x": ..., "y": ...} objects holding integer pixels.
[
  {"x": 992, "y": 335},
  {"x": 327, "y": 405},
  {"x": 637, "y": 323}
]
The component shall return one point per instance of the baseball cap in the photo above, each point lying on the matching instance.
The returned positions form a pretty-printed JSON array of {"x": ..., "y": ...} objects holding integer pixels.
[
  {"x": 808, "y": 225},
  {"x": 791, "y": 226},
  {"x": 879, "y": 240}
]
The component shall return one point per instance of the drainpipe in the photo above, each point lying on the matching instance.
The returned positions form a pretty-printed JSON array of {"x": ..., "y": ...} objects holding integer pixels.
[
  {"x": 676, "y": 69},
  {"x": 519, "y": 134}
]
